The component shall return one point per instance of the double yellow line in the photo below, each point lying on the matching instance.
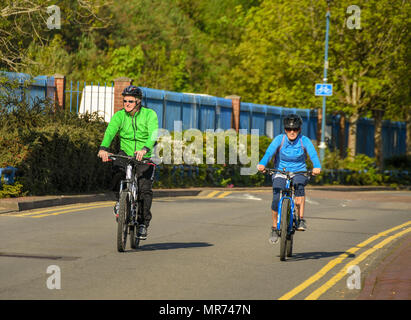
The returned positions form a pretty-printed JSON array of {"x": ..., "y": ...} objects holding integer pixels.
[
  {"x": 322, "y": 289},
  {"x": 220, "y": 196},
  {"x": 65, "y": 209}
]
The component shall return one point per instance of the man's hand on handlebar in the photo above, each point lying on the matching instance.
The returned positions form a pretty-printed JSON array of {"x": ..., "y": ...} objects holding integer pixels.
[
  {"x": 139, "y": 154},
  {"x": 103, "y": 155}
]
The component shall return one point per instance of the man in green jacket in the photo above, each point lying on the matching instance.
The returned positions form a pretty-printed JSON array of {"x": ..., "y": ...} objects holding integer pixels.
[{"x": 137, "y": 127}]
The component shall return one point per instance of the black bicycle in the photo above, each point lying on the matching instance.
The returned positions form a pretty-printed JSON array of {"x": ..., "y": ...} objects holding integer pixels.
[
  {"x": 127, "y": 222},
  {"x": 287, "y": 221}
]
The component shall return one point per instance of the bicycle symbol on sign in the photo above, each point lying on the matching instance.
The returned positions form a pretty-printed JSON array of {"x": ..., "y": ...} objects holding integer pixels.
[{"x": 323, "y": 89}]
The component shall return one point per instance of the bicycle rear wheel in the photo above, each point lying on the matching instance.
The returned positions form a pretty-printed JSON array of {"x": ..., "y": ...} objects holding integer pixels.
[
  {"x": 123, "y": 218},
  {"x": 285, "y": 219}
]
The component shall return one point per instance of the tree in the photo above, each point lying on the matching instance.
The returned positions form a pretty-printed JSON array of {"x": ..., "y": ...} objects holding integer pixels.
[
  {"x": 366, "y": 62},
  {"x": 26, "y": 22},
  {"x": 281, "y": 53}
]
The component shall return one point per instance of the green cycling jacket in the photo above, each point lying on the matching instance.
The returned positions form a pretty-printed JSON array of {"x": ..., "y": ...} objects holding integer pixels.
[{"x": 136, "y": 132}]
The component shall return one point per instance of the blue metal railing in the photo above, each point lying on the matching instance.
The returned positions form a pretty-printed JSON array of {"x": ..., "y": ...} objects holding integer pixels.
[{"x": 32, "y": 88}]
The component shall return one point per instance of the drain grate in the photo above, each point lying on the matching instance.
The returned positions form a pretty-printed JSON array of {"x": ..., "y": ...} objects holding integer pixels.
[{"x": 36, "y": 256}]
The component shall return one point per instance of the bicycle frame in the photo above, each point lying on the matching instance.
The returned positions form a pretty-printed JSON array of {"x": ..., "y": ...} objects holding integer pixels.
[
  {"x": 286, "y": 229},
  {"x": 287, "y": 193},
  {"x": 130, "y": 182},
  {"x": 127, "y": 219}
]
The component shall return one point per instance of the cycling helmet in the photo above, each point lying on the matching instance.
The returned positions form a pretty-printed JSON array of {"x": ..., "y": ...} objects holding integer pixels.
[
  {"x": 293, "y": 121},
  {"x": 133, "y": 91}
]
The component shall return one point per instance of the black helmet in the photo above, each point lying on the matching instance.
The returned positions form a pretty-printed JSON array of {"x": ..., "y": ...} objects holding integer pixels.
[
  {"x": 293, "y": 121},
  {"x": 133, "y": 91}
]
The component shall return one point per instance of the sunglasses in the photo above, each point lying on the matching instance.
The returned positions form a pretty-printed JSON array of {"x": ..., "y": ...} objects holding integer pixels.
[
  {"x": 129, "y": 101},
  {"x": 292, "y": 129}
]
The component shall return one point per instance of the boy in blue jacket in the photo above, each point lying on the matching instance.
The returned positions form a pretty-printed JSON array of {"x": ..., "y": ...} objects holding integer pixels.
[{"x": 290, "y": 150}]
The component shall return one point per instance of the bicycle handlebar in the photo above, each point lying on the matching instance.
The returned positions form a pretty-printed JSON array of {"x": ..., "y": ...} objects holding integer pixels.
[
  {"x": 287, "y": 173},
  {"x": 130, "y": 159}
]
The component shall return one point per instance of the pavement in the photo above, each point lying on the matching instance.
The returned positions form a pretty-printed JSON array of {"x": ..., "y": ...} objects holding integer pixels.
[{"x": 390, "y": 279}]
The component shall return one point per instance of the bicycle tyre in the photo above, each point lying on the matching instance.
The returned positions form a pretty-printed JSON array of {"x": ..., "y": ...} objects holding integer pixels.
[
  {"x": 285, "y": 216},
  {"x": 122, "y": 224},
  {"x": 290, "y": 246},
  {"x": 134, "y": 240}
]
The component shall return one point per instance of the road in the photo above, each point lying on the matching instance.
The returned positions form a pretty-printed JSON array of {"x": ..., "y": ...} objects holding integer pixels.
[{"x": 213, "y": 246}]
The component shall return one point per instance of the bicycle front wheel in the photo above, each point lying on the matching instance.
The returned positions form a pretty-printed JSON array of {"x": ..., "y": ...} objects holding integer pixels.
[
  {"x": 123, "y": 218},
  {"x": 290, "y": 245},
  {"x": 285, "y": 219},
  {"x": 134, "y": 239}
]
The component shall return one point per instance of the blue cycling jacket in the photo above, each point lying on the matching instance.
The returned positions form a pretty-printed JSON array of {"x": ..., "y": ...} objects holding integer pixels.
[{"x": 291, "y": 156}]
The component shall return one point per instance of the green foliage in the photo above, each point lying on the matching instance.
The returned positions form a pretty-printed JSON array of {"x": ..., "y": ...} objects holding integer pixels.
[
  {"x": 203, "y": 174},
  {"x": 280, "y": 55},
  {"x": 400, "y": 162},
  {"x": 122, "y": 61},
  {"x": 362, "y": 170},
  {"x": 12, "y": 191},
  {"x": 24, "y": 29},
  {"x": 50, "y": 59},
  {"x": 268, "y": 52},
  {"x": 55, "y": 152}
]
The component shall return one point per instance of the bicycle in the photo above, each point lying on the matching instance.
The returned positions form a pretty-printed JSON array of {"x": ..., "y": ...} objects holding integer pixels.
[
  {"x": 128, "y": 203},
  {"x": 287, "y": 221}
]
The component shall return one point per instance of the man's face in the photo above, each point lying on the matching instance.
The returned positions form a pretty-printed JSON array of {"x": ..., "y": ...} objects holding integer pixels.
[
  {"x": 292, "y": 133},
  {"x": 130, "y": 102}
]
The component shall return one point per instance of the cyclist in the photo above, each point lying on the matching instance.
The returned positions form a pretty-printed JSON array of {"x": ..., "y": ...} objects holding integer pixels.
[
  {"x": 290, "y": 150},
  {"x": 137, "y": 128}
]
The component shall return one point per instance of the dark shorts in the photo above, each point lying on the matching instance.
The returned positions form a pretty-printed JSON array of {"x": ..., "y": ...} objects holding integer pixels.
[{"x": 299, "y": 181}]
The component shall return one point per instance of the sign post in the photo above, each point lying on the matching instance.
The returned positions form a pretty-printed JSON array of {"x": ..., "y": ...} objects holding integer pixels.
[{"x": 324, "y": 89}]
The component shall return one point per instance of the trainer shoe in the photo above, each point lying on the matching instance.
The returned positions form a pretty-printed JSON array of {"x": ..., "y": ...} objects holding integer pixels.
[
  {"x": 116, "y": 209},
  {"x": 142, "y": 232},
  {"x": 273, "y": 236},
  {"x": 301, "y": 225}
]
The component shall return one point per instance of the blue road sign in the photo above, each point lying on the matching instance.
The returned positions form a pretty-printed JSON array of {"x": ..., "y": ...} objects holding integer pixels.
[{"x": 323, "y": 89}]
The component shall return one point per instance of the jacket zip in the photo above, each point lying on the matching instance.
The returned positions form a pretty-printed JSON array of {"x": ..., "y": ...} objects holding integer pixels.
[{"x": 134, "y": 130}]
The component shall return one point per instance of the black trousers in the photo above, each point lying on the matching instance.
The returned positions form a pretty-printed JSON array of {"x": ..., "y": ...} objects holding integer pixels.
[{"x": 145, "y": 178}]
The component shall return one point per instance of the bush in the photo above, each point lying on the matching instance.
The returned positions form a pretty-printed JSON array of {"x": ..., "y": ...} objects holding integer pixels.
[
  {"x": 217, "y": 175},
  {"x": 12, "y": 191},
  {"x": 399, "y": 162},
  {"x": 362, "y": 170},
  {"x": 55, "y": 152}
]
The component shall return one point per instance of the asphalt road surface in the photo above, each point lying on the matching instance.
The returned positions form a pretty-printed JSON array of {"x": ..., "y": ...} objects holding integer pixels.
[{"x": 213, "y": 246}]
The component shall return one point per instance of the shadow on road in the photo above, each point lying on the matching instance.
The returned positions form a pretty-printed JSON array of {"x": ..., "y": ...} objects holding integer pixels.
[
  {"x": 316, "y": 255},
  {"x": 173, "y": 245}
]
